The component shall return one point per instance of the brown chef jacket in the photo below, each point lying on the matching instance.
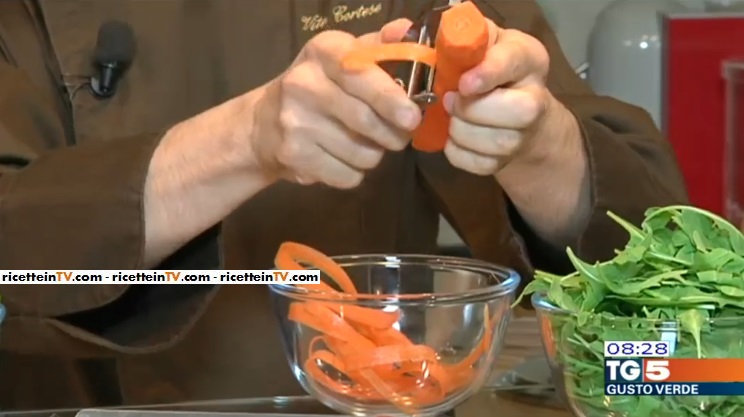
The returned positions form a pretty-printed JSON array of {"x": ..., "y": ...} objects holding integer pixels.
[{"x": 78, "y": 203}]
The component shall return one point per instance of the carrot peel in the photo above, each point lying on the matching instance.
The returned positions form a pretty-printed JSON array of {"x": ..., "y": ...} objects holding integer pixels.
[
  {"x": 361, "y": 355},
  {"x": 461, "y": 44},
  {"x": 363, "y": 59}
]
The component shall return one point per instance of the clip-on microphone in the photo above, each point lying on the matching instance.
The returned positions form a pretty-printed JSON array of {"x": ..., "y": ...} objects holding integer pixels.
[{"x": 114, "y": 53}]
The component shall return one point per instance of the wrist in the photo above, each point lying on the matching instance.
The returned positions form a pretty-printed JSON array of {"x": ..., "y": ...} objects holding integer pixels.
[
  {"x": 217, "y": 142},
  {"x": 263, "y": 129},
  {"x": 238, "y": 127},
  {"x": 202, "y": 170},
  {"x": 549, "y": 185}
]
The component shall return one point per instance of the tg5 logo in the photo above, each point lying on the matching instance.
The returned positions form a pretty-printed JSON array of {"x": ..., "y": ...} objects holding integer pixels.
[{"x": 636, "y": 370}]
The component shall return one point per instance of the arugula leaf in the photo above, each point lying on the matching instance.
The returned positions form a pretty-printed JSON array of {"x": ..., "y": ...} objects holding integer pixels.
[
  {"x": 680, "y": 276},
  {"x": 693, "y": 321}
]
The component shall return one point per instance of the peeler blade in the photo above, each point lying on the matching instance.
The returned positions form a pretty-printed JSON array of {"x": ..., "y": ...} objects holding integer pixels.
[{"x": 417, "y": 78}]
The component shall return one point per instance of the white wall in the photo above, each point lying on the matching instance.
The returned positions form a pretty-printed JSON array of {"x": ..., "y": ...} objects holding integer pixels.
[{"x": 573, "y": 20}]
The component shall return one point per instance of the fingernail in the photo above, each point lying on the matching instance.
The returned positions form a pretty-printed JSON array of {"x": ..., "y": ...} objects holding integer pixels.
[
  {"x": 448, "y": 101},
  {"x": 406, "y": 118}
]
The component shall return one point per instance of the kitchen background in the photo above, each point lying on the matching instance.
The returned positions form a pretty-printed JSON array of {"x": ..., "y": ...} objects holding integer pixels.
[{"x": 625, "y": 59}]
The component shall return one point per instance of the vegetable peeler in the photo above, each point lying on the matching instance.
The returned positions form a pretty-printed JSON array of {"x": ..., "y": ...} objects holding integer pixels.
[
  {"x": 448, "y": 39},
  {"x": 415, "y": 77}
]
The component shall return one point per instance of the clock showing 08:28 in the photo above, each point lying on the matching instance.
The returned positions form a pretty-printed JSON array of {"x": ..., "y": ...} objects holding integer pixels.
[{"x": 625, "y": 349}]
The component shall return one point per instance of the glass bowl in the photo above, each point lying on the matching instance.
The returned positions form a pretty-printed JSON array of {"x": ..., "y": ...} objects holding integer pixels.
[
  {"x": 575, "y": 351},
  {"x": 452, "y": 308}
]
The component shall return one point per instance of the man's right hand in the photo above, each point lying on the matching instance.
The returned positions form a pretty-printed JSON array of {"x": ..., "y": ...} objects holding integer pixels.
[
  {"x": 313, "y": 124},
  {"x": 319, "y": 124}
]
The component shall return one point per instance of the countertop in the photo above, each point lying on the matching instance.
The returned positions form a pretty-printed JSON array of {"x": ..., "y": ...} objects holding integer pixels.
[{"x": 521, "y": 342}]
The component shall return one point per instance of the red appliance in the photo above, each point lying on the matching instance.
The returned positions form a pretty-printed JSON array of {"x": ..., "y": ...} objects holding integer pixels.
[{"x": 694, "y": 99}]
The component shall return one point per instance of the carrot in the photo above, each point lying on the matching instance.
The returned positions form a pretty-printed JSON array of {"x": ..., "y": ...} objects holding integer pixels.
[
  {"x": 461, "y": 44},
  {"x": 547, "y": 329},
  {"x": 291, "y": 254},
  {"x": 377, "y": 361},
  {"x": 363, "y": 59}
]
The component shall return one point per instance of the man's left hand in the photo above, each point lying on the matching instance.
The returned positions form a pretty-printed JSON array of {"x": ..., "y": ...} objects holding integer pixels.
[
  {"x": 503, "y": 110},
  {"x": 506, "y": 123}
]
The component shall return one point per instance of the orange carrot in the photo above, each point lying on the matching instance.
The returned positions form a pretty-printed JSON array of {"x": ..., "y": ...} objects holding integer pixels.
[
  {"x": 547, "y": 328},
  {"x": 363, "y": 59},
  {"x": 461, "y": 44},
  {"x": 378, "y": 361},
  {"x": 291, "y": 254}
]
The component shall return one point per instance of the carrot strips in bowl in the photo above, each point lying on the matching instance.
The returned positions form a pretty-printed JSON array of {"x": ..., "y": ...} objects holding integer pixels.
[{"x": 359, "y": 353}]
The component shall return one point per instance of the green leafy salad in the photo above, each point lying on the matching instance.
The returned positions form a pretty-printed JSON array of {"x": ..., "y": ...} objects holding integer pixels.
[{"x": 680, "y": 278}]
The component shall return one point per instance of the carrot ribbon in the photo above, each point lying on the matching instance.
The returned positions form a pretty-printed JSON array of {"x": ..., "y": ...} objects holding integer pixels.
[
  {"x": 377, "y": 361},
  {"x": 460, "y": 45}
]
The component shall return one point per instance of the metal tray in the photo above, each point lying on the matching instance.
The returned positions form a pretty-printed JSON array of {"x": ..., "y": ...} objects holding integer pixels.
[
  {"x": 273, "y": 406},
  {"x": 258, "y": 407},
  {"x": 156, "y": 413}
]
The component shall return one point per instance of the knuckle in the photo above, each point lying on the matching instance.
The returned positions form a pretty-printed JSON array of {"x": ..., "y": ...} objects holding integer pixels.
[
  {"x": 369, "y": 159},
  {"x": 456, "y": 139},
  {"x": 327, "y": 46},
  {"x": 514, "y": 67},
  {"x": 347, "y": 181},
  {"x": 320, "y": 40},
  {"x": 291, "y": 80},
  {"x": 544, "y": 100},
  {"x": 483, "y": 166},
  {"x": 457, "y": 126},
  {"x": 354, "y": 180},
  {"x": 529, "y": 107},
  {"x": 330, "y": 38},
  {"x": 347, "y": 81},
  {"x": 538, "y": 54},
  {"x": 359, "y": 155},
  {"x": 535, "y": 53},
  {"x": 470, "y": 162},
  {"x": 290, "y": 152},
  {"x": 541, "y": 58},
  {"x": 298, "y": 79},
  {"x": 289, "y": 122},
  {"x": 395, "y": 141},
  {"x": 327, "y": 40},
  {"x": 391, "y": 99},
  {"x": 511, "y": 142},
  {"x": 458, "y": 163},
  {"x": 453, "y": 155},
  {"x": 543, "y": 63},
  {"x": 365, "y": 119},
  {"x": 385, "y": 95}
]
